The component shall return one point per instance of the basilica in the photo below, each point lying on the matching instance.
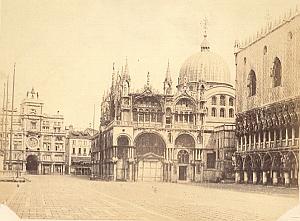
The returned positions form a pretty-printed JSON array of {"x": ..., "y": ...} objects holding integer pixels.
[{"x": 182, "y": 134}]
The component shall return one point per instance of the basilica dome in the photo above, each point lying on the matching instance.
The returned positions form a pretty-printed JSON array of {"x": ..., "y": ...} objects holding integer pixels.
[{"x": 204, "y": 66}]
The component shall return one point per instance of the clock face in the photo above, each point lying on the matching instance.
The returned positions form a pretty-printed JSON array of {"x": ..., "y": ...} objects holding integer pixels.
[{"x": 32, "y": 142}]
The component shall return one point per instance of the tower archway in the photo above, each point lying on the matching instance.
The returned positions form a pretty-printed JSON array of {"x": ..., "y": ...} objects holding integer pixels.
[{"x": 32, "y": 164}]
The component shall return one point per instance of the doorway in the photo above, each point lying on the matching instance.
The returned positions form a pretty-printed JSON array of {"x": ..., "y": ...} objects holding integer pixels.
[
  {"x": 32, "y": 164},
  {"x": 182, "y": 172}
]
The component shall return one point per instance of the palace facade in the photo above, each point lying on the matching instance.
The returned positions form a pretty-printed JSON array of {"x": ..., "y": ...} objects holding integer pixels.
[
  {"x": 268, "y": 104},
  {"x": 38, "y": 142},
  {"x": 182, "y": 134}
]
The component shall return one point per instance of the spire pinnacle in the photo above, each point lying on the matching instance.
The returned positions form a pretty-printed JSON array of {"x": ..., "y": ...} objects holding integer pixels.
[
  {"x": 168, "y": 73},
  {"x": 126, "y": 71},
  {"x": 113, "y": 76},
  {"x": 148, "y": 79},
  {"x": 205, "y": 43},
  {"x": 205, "y": 21}
]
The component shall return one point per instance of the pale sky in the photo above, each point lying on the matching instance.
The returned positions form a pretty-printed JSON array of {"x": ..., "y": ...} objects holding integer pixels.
[{"x": 65, "y": 49}]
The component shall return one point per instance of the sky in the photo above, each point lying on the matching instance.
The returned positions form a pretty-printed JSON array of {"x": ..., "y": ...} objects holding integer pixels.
[{"x": 65, "y": 48}]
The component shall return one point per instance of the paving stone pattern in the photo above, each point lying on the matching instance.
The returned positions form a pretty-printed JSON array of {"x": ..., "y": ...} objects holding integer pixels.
[{"x": 69, "y": 197}]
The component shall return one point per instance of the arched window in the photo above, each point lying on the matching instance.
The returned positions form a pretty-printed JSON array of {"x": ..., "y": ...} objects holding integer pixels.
[
  {"x": 222, "y": 100},
  {"x": 231, "y": 112},
  {"x": 183, "y": 157},
  {"x": 277, "y": 72},
  {"x": 135, "y": 115},
  {"x": 252, "y": 83},
  {"x": 222, "y": 112},
  {"x": 213, "y": 112},
  {"x": 147, "y": 115},
  {"x": 168, "y": 116},
  {"x": 214, "y": 100},
  {"x": 231, "y": 101},
  {"x": 141, "y": 115},
  {"x": 265, "y": 50}
]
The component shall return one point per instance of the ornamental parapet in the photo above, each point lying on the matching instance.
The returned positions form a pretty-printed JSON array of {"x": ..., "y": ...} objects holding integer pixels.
[{"x": 274, "y": 116}]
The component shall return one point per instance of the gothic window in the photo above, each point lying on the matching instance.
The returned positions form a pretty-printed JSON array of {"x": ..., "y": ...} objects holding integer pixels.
[
  {"x": 251, "y": 83},
  {"x": 277, "y": 72},
  {"x": 135, "y": 115},
  {"x": 283, "y": 134},
  {"x": 33, "y": 125},
  {"x": 153, "y": 116},
  {"x": 231, "y": 112},
  {"x": 141, "y": 116},
  {"x": 290, "y": 36},
  {"x": 231, "y": 101},
  {"x": 214, "y": 100},
  {"x": 222, "y": 100},
  {"x": 213, "y": 112},
  {"x": 183, "y": 157},
  {"x": 168, "y": 116},
  {"x": 159, "y": 116},
  {"x": 191, "y": 117},
  {"x": 211, "y": 160},
  {"x": 147, "y": 115},
  {"x": 185, "y": 140},
  {"x": 222, "y": 112},
  {"x": 265, "y": 50}
]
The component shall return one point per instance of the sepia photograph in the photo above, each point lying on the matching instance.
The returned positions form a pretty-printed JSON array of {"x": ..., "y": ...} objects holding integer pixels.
[{"x": 136, "y": 110}]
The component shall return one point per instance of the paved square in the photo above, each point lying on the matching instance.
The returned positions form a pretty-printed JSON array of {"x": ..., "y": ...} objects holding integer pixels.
[{"x": 66, "y": 197}]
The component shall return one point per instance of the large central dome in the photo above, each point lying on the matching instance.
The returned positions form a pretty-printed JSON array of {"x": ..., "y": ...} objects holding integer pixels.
[{"x": 204, "y": 66}]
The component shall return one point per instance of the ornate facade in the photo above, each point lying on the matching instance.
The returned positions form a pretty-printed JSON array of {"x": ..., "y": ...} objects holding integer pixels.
[
  {"x": 38, "y": 142},
  {"x": 185, "y": 134},
  {"x": 268, "y": 104}
]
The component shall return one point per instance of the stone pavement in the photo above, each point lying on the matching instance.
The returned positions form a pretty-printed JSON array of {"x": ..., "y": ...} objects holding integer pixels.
[
  {"x": 67, "y": 197},
  {"x": 7, "y": 189}
]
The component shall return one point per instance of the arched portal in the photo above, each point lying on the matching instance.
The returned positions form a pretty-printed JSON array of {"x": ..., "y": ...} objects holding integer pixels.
[
  {"x": 32, "y": 164},
  {"x": 183, "y": 161},
  {"x": 248, "y": 169},
  {"x": 122, "y": 154},
  {"x": 291, "y": 168},
  {"x": 267, "y": 169},
  {"x": 150, "y": 148}
]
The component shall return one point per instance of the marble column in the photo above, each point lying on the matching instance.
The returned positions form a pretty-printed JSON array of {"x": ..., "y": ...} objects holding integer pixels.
[
  {"x": 254, "y": 175},
  {"x": 237, "y": 177},
  {"x": 246, "y": 177},
  {"x": 115, "y": 171},
  {"x": 264, "y": 140},
  {"x": 286, "y": 178},
  {"x": 172, "y": 171},
  {"x": 265, "y": 178},
  {"x": 286, "y": 137},
  {"x": 293, "y": 136},
  {"x": 275, "y": 178},
  {"x": 52, "y": 168},
  {"x": 130, "y": 172}
]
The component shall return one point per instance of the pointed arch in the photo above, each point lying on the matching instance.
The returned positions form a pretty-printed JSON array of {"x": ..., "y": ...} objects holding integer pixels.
[
  {"x": 277, "y": 69},
  {"x": 251, "y": 83}
]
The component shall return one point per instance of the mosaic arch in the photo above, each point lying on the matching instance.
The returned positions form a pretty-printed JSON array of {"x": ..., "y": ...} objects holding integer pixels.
[
  {"x": 185, "y": 140},
  {"x": 149, "y": 143}
]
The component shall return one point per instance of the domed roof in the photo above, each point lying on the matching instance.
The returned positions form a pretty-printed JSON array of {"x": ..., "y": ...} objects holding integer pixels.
[{"x": 206, "y": 66}]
